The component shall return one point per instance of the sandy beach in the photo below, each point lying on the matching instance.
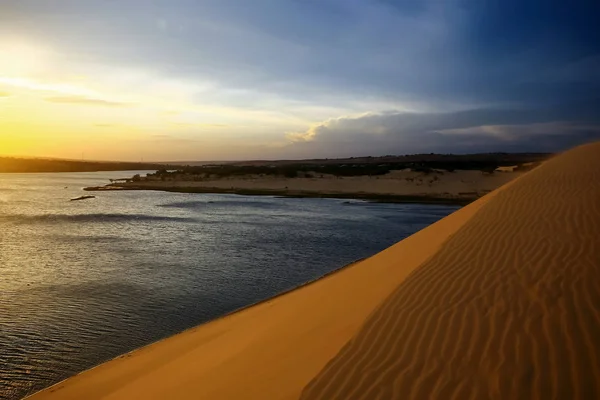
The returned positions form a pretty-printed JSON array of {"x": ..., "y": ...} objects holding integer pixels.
[
  {"x": 500, "y": 300},
  {"x": 461, "y": 186}
]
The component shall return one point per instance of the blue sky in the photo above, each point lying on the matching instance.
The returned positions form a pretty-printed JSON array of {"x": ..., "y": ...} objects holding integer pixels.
[{"x": 225, "y": 79}]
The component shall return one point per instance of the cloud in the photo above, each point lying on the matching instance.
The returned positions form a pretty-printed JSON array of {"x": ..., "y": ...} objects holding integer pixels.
[
  {"x": 437, "y": 53},
  {"x": 517, "y": 132},
  {"x": 478, "y": 130},
  {"x": 260, "y": 69},
  {"x": 89, "y": 101}
]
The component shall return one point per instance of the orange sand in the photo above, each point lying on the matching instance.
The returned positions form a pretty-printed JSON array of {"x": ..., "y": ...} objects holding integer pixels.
[
  {"x": 508, "y": 308},
  {"x": 499, "y": 300}
]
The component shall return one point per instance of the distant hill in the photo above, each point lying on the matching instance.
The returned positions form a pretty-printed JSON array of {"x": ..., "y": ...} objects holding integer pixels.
[
  {"x": 461, "y": 161},
  {"x": 430, "y": 158},
  {"x": 356, "y": 166},
  {"x": 11, "y": 164}
]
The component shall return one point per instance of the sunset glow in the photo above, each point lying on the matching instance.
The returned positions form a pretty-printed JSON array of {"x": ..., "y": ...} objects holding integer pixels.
[{"x": 178, "y": 81}]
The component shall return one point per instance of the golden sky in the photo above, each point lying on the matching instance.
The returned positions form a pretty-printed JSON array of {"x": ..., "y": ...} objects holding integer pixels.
[
  {"x": 177, "y": 80},
  {"x": 47, "y": 108}
]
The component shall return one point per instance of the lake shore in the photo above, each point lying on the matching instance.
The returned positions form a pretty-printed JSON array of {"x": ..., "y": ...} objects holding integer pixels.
[
  {"x": 458, "y": 187},
  {"x": 383, "y": 198},
  {"x": 497, "y": 292}
]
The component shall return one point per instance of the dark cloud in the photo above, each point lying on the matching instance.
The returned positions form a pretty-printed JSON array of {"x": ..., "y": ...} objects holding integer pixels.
[
  {"x": 482, "y": 130},
  {"x": 86, "y": 101}
]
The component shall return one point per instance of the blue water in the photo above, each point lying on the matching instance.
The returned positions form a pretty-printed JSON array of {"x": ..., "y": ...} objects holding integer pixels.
[{"x": 82, "y": 282}]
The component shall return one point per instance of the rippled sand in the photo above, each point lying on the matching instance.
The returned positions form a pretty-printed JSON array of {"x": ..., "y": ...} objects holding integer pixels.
[
  {"x": 508, "y": 308},
  {"x": 499, "y": 300}
]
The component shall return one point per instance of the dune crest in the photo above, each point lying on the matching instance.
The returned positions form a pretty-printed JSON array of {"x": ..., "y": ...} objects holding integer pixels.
[
  {"x": 508, "y": 308},
  {"x": 498, "y": 300}
]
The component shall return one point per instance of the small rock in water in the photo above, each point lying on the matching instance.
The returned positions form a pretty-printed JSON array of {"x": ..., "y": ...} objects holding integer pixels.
[{"x": 83, "y": 198}]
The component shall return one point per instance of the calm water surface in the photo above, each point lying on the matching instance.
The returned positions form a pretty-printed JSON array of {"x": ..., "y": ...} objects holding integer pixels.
[{"x": 82, "y": 282}]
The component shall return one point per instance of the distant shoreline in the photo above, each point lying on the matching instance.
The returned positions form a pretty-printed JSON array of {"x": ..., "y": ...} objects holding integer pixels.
[
  {"x": 429, "y": 186},
  {"x": 373, "y": 197}
]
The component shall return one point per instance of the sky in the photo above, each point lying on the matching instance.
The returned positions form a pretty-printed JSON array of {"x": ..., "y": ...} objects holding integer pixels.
[{"x": 184, "y": 80}]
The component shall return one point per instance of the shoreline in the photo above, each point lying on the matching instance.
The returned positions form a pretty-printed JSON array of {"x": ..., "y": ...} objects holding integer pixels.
[
  {"x": 484, "y": 303},
  {"x": 372, "y": 197},
  {"x": 52, "y": 388},
  {"x": 382, "y": 265}
]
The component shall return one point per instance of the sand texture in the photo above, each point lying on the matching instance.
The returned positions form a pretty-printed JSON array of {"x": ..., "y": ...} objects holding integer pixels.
[
  {"x": 499, "y": 300},
  {"x": 508, "y": 308}
]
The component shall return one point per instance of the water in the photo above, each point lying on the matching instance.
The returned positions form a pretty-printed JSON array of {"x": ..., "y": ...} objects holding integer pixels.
[{"x": 82, "y": 282}]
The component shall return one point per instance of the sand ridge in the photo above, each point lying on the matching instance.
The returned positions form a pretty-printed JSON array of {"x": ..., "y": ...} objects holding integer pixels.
[
  {"x": 498, "y": 300},
  {"x": 508, "y": 308},
  {"x": 271, "y": 350}
]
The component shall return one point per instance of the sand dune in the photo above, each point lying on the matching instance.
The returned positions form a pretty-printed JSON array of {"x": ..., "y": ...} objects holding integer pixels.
[
  {"x": 499, "y": 300},
  {"x": 508, "y": 308}
]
